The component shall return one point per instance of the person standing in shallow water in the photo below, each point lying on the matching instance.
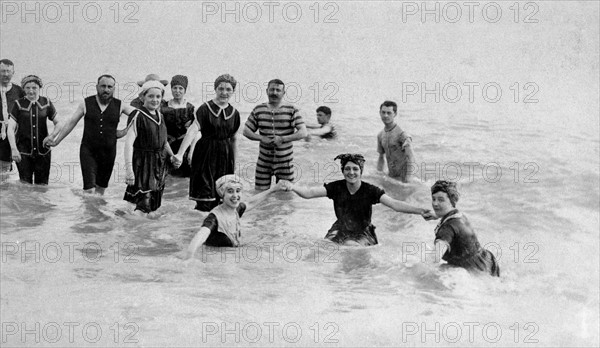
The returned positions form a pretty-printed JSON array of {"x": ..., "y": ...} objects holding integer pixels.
[
  {"x": 179, "y": 115},
  {"x": 394, "y": 145},
  {"x": 9, "y": 92},
  {"x": 27, "y": 129},
  {"x": 352, "y": 201},
  {"x": 455, "y": 239},
  {"x": 101, "y": 114},
  {"x": 147, "y": 151},
  {"x": 213, "y": 156},
  {"x": 278, "y": 125}
]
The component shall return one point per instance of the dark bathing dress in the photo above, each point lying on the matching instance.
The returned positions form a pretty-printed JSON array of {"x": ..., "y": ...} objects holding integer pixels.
[
  {"x": 214, "y": 152},
  {"x": 464, "y": 249},
  {"x": 353, "y": 212},
  {"x": 149, "y": 161},
  {"x": 176, "y": 120}
]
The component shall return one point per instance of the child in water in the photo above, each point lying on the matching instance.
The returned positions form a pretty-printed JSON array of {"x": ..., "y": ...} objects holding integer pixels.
[
  {"x": 221, "y": 228},
  {"x": 455, "y": 239}
]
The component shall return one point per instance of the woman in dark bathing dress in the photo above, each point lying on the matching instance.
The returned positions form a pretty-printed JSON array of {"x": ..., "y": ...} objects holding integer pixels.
[
  {"x": 179, "y": 115},
  {"x": 455, "y": 239},
  {"x": 147, "y": 151},
  {"x": 352, "y": 201},
  {"x": 213, "y": 156}
]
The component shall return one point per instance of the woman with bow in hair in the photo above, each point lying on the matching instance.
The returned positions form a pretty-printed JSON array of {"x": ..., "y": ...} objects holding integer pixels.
[
  {"x": 352, "y": 201},
  {"x": 455, "y": 239}
]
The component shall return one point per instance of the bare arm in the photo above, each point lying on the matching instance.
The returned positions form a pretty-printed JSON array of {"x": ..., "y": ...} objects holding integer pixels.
[
  {"x": 301, "y": 133},
  {"x": 15, "y": 154},
  {"x": 129, "y": 140},
  {"x": 64, "y": 128},
  {"x": 441, "y": 248},
  {"x": 190, "y": 135},
  {"x": 197, "y": 241},
  {"x": 400, "y": 206},
  {"x": 380, "y": 162},
  {"x": 410, "y": 158},
  {"x": 320, "y": 130},
  {"x": 253, "y": 201},
  {"x": 127, "y": 110},
  {"x": 308, "y": 193}
]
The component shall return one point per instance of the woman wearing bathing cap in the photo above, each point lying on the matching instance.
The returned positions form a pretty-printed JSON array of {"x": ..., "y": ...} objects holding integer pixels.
[
  {"x": 213, "y": 156},
  {"x": 179, "y": 115},
  {"x": 139, "y": 101},
  {"x": 147, "y": 151},
  {"x": 222, "y": 228},
  {"x": 27, "y": 128},
  {"x": 352, "y": 201},
  {"x": 455, "y": 239}
]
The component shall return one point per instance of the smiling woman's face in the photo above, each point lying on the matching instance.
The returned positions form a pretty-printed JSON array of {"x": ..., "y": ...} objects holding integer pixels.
[
  {"x": 441, "y": 204},
  {"x": 352, "y": 173},
  {"x": 152, "y": 99}
]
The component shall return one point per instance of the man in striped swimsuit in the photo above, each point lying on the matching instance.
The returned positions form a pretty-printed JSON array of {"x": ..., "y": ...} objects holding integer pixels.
[{"x": 278, "y": 124}]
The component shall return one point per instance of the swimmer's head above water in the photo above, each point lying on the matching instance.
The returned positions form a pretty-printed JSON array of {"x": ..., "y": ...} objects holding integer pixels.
[
  {"x": 444, "y": 196},
  {"x": 355, "y": 158},
  {"x": 352, "y": 167}
]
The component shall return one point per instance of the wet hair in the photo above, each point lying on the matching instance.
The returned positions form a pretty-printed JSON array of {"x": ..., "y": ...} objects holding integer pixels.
[
  {"x": 325, "y": 110},
  {"x": 226, "y": 78},
  {"x": 107, "y": 76},
  {"x": 7, "y": 62},
  {"x": 277, "y": 82},
  {"x": 448, "y": 187},
  {"x": 389, "y": 103},
  {"x": 351, "y": 157}
]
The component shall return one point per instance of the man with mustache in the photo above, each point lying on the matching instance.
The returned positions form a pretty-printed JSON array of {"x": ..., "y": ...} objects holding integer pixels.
[
  {"x": 9, "y": 92},
  {"x": 101, "y": 113},
  {"x": 278, "y": 124}
]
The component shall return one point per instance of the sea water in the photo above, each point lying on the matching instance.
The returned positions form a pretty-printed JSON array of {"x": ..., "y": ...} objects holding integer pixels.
[{"x": 78, "y": 270}]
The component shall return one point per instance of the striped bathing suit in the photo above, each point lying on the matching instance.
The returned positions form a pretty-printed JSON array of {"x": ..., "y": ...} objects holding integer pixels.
[{"x": 273, "y": 160}]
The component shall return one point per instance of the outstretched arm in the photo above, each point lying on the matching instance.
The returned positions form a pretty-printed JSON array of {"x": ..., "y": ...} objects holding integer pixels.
[
  {"x": 64, "y": 128},
  {"x": 253, "y": 201},
  {"x": 197, "y": 241},
  {"x": 306, "y": 192},
  {"x": 401, "y": 207}
]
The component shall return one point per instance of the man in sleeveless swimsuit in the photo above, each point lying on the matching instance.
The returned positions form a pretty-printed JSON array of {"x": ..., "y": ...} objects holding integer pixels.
[{"x": 101, "y": 114}]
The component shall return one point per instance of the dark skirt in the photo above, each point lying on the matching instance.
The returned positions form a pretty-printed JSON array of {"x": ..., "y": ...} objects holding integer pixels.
[
  {"x": 150, "y": 170},
  {"x": 212, "y": 159},
  {"x": 483, "y": 261},
  {"x": 340, "y": 235}
]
